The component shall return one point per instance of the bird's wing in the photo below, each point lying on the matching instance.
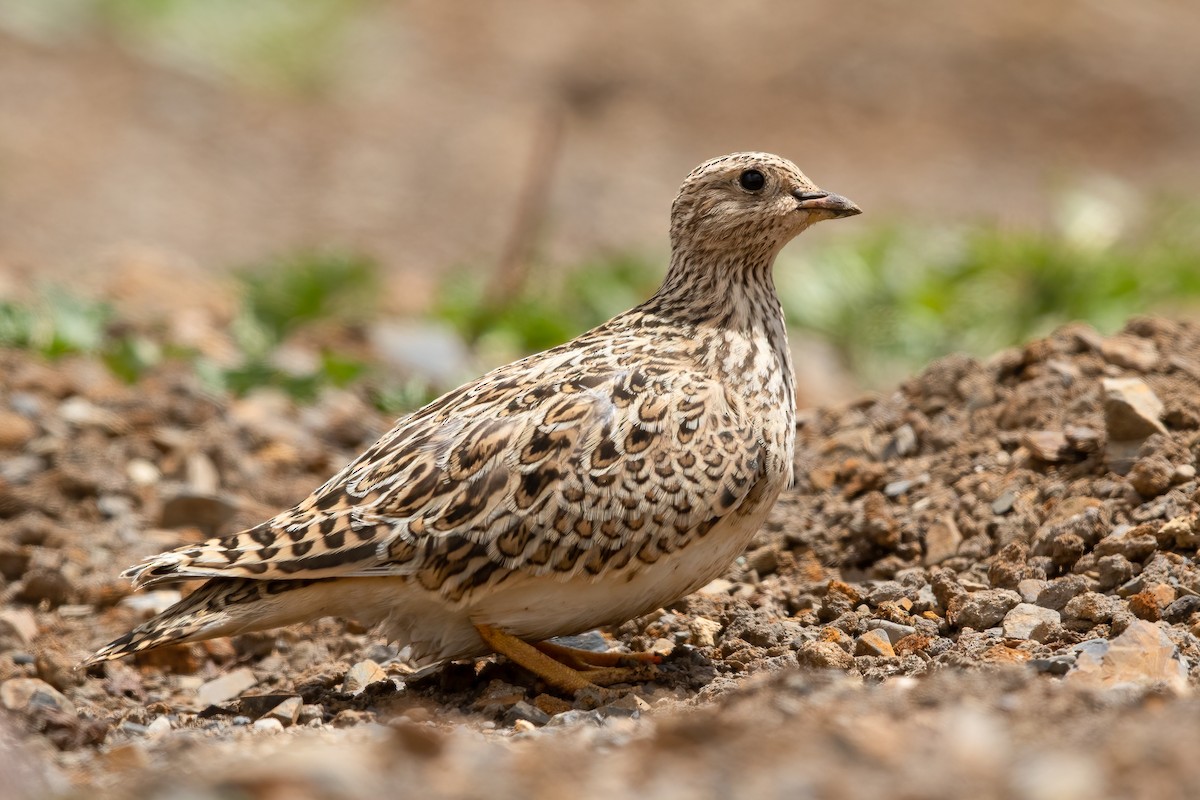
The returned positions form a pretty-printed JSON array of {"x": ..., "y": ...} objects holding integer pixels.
[{"x": 542, "y": 475}]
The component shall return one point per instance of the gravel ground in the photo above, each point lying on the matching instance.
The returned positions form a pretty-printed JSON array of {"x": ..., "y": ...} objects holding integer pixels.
[{"x": 983, "y": 584}]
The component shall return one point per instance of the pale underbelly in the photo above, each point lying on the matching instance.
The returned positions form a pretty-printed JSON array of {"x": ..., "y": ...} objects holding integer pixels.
[{"x": 537, "y": 608}]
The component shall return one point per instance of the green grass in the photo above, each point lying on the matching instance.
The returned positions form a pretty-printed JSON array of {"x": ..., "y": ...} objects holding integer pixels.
[
  {"x": 897, "y": 298},
  {"x": 889, "y": 301}
]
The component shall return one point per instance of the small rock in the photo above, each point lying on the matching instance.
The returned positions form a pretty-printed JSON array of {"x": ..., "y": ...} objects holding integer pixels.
[
  {"x": 874, "y": 643},
  {"x": 986, "y": 608},
  {"x": 942, "y": 539},
  {"x": 1048, "y": 446},
  {"x": 1145, "y": 606},
  {"x": 287, "y": 712},
  {"x": 141, "y": 472},
  {"x": 704, "y": 631},
  {"x": 904, "y": 441},
  {"x": 764, "y": 560},
  {"x": 1182, "y": 609},
  {"x": 1183, "y": 473},
  {"x": 45, "y": 583},
  {"x": 576, "y": 717},
  {"x": 628, "y": 705},
  {"x": 258, "y": 705},
  {"x": 148, "y": 604},
  {"x": 15, "y": 431},
  {"x": 362, "y": 675},
  {"x": 499, "y": 696},
  {"x": 268, "y": 725},
  {"x": 1182, "y": 531},
  {"x": 1131, "y": 410},
  {"x": 1134, "y": 544},
  {"x": 1142, "y": 655},
  {"x": 225, "y": 687},
  {"x": 310, "y": 713},
  {"x": 17, "y": 628},
  {"x": 1025, "y": 618},
  {"x": 1030, "y": 589},
  {"x": 894, "y": 630},
  {"x": 1082, "y": 439},
  {"x": 205, "y": 511},
  {"x": 82, "y": 413},
  {"x": 1004, "y": 503},
  {"x": 1130, "y": 352},
  {"x": 824, "y": 655},
  {"x": 161, "y": 725},
  {"x": 31, "y": 695},
  {"x": 551, "y": 705},
  {"x": 720, "y": 586},
  {"x": 1113, "y": 570},
  {"x": 1151, "y": 476},
  {"x": 1060, "y": 591},
  {"x": 1090, "y": 607},
  {"x": 525, "y": 712}
]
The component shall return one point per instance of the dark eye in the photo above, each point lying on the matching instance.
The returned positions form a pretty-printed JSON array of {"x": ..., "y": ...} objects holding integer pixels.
[{"x": 752, "y": 180}]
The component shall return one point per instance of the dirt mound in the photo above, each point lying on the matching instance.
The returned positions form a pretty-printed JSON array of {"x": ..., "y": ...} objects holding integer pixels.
[{"x": 1021, "y": 533}]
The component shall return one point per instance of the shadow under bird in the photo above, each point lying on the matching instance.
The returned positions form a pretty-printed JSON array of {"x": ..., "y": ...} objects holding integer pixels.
[{"x": 579, "y": 487}]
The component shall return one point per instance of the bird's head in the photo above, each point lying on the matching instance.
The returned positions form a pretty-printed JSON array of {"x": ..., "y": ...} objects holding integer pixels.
[{"x": 749, "y": 202}]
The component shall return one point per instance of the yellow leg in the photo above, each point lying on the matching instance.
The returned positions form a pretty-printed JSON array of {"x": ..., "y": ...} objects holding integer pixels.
[
  {"x": 585, "y": 659},
  {"x": 552, "y": 672}
]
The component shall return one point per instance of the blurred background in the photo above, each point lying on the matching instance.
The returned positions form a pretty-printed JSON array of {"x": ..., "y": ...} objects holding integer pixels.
[{"x": 399, "y": 194}]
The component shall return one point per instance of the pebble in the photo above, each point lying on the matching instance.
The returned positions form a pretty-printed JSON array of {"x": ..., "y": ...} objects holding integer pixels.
[
  {"x": 628, "y": 705},
  {"x": 310, "y": 713},
  {"x": 188, "y": 508},
  {"x": 1030, "y": 589},
  {"x": 575, "y": 717},
  {"x": 15, "y": 431},
  {"x": 1142, "y": 655},
  {"x": 32, "y": 694},
  {"x": 525, "y": 712},
  {"x": 1090, "y": 607},
  {"x": 823, "y": 655},
  {"x": 1048, "y": 446},
  {"x": 17, "y": 628},
  {"x": 148, "y": 604},
  {"x": 362, "y": 675},
  {"x": 159, "y": 726},
  {"x": 225, "y": 687},
  {"x": 141, "y": 472},
  {"x": 268, "y": 725},
  {"x": 1131, "y": 409},
  {"x": 895, "y": 631},
  {"x": 1130, "y": 352},
  {"x": 1004, "y": 503},
  {"x": 704, "y": 631},
  {"x": 874, "y": 643},
  {"x": 1027, "y": 621},
  {"x": 986, "y": 608},
  {"x": 942, "y": 539},
  {"x": 1060, "y": 591}
]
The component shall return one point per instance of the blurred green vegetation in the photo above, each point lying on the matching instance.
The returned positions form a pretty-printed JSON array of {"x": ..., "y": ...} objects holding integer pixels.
[
  {"x": 888, "y": 300},
  {"x": 281, "y": 44}
]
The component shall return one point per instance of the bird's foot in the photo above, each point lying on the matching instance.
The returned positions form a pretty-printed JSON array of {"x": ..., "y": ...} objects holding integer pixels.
[
  {"x": 590, "y": 659},
  {"x": 570, "y": 669}
]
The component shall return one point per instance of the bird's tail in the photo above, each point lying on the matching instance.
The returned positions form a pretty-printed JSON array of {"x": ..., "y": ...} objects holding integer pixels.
[{"x": 223, "y": 607}]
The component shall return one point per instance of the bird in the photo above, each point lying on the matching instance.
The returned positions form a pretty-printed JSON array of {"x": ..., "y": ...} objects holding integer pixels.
[{"x": 579, "y": 487}]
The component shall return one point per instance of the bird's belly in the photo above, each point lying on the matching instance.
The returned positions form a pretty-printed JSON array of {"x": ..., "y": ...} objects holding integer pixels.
[{"x": 537, "y": 608}]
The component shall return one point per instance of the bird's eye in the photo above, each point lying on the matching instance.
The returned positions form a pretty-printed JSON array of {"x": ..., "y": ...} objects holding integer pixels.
[{"x": 752, "y": 180}]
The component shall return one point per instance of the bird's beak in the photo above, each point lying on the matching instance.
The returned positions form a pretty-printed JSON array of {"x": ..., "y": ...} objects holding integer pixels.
[{"x": 833, "y": 204}]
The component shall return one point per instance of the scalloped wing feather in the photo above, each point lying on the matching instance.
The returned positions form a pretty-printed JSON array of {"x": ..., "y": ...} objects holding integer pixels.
[{"x": 519, "y": 472}]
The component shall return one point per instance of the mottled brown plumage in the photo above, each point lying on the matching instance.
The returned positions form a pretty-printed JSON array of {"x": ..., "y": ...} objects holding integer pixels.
[{"x": 577, "y": 487}]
